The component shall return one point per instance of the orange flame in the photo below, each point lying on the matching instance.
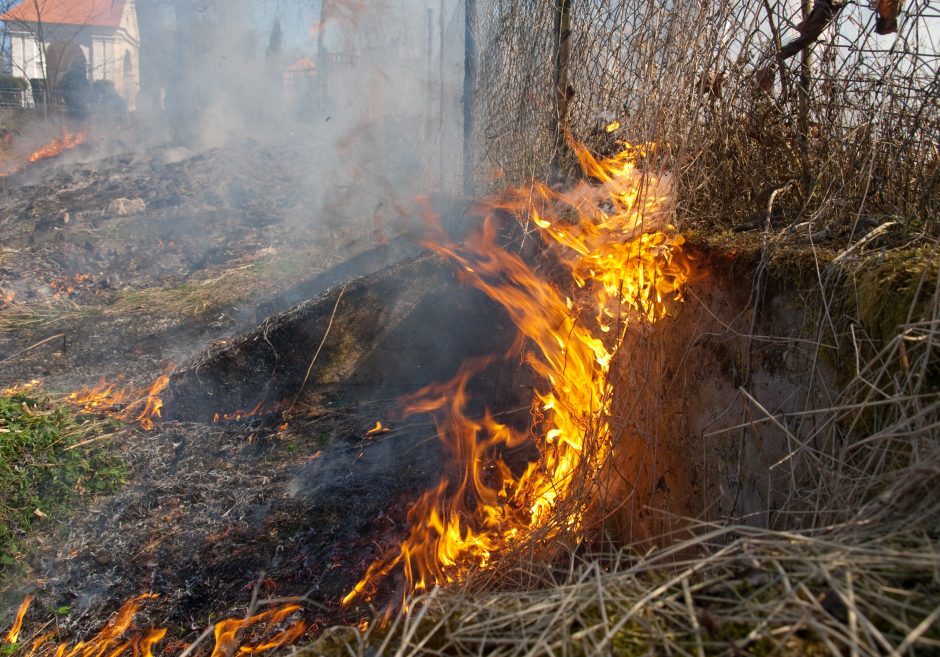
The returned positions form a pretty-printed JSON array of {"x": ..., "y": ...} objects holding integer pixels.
[
  {"x": 107, "y": 641},
  {"x": 68, "y": 141},
  {"x": 21, "y": 388},
  {"x": 345, "y": 12},
  {"x": 14, "y": 632},
  {"x": 6, "y": 297},
  {"x": 153, "y": 403},
  {"x": 378, "y": 429},
  {"x": 226, "y": 632},
  {"x": 625, "y": 272},
  {"x": 65, "y": 286},
  {"x": 261, "y": 408},
  {"x": 119, "y": 638},
  {"x": 141, "y": 406}
]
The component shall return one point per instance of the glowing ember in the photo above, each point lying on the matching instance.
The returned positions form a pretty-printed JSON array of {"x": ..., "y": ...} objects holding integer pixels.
[
  {"x": 14, "y": 632},
  {"x": 141, "y": 406},
  {"x": 625, "y": 274},
  {"x": 66, "y": 286},
  {"x": 68, "y": 141}
]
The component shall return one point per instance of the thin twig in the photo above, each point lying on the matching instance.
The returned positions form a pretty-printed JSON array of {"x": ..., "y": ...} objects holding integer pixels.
[{"x": 329, "y": 326}]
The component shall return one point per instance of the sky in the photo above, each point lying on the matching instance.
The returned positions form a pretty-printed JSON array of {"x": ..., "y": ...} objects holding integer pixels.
[{"x": 296, "y": 17}]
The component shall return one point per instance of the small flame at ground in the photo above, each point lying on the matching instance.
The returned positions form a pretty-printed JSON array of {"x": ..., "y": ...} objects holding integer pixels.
[
  {"x": 66, "y": 286},
  {"x": 626, "y": 272},
  {"x": 227, "y": 631},
  {"x": 21, "y": 388},
  {"x": 125, "y": 404},
  {"x": 14, "y": 634},
  {"x": 120, "y": 637},
  {"x": 261, "y": 408},
  {"x": 378, "y": 429},
  {"x": 57, "y": 146}
]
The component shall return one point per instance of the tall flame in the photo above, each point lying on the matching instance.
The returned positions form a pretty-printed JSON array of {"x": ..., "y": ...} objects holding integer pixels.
[
  {"x": 14, "y": 634},
  {"x": 601, "y": 236}
]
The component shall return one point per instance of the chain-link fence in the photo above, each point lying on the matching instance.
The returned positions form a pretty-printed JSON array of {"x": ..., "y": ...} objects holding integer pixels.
[{"x": 853, "y": 119}]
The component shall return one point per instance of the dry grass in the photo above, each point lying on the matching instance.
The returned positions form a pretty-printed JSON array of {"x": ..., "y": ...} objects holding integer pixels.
[
  {"x": 854, "y": 570},
  {"x": 728, "y": 591},
  {"x": 853, "y": 123},
  {"x": 851, "y": 565},
  {"x": 258, "y": 276}
]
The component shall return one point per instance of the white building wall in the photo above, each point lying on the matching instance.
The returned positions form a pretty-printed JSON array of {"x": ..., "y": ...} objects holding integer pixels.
[
  {"x": 104, "y": 50},
  {"x": 25, "y": 56}
]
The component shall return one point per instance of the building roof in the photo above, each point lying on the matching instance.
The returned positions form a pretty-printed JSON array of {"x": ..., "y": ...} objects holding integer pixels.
[{"x": 101, "y": 13}]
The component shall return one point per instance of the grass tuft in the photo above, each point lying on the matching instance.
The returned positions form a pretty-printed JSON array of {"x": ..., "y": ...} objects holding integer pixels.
[{"x": 40, "y": 478}]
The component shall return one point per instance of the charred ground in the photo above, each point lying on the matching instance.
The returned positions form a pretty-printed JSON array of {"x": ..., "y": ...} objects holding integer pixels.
[{"x": 128, "y": 263}]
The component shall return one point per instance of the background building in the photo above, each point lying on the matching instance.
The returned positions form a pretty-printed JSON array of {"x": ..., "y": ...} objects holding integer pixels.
[{"x": 91, "y": 40}]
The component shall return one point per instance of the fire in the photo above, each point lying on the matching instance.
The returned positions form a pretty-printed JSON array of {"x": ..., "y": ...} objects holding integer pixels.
[
  {"x": 625, "y": 272},
  {"x": 613, "y": 126},
  {"x": 141, "y": 406},
  {"x": 378, "y": 429},
  {"x": 227, "y": 631},
  {"x": 68, "y": 141},
  {"x": 110, "y": 640},
  {"x": 6, "y": 297},
  {"x": 345, "y": 12},
  {"x": 14, "y": 632},
  {"x": 119, "y": 637},
  {"x": 21, "y": 388},
  {"x": 153, "y": 403},
  {"x": 261, "y": 408},
  {"x": 66, "y": 286}
]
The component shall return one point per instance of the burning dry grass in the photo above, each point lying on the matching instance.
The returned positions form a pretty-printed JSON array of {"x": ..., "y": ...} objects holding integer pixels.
[
  {"x": 851, "y": 564},
  {"x": 853, "y": 570}
]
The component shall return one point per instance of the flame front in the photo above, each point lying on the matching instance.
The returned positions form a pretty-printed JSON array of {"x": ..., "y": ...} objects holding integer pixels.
[
  {"x": 624, "y": 270},
  {"x": 120, "y": 636},
  {"x": 141, "y": 406},
  {"x": 67, "y": 141}
]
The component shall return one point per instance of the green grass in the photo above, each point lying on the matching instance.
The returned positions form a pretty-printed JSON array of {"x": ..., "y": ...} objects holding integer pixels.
[{"x": 40, "y": 478}]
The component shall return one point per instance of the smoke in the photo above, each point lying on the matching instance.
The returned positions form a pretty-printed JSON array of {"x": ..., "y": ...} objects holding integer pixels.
[{"x": 372, "y": 89}]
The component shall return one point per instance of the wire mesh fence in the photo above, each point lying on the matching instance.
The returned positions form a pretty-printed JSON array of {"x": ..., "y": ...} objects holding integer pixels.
[{"x": 853, "y": 119}]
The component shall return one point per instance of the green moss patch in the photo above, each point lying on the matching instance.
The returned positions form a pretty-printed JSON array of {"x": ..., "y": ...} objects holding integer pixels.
[{"x": 895, "y": 289}]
